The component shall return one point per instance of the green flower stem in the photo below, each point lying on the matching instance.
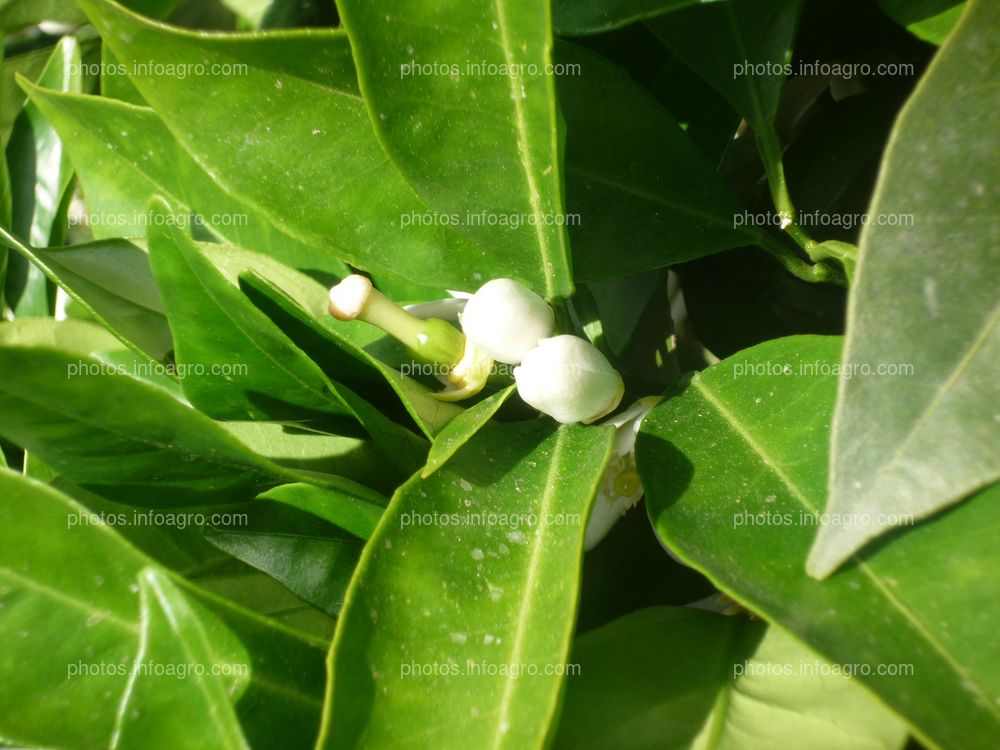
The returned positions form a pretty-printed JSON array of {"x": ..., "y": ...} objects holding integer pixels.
[
  {"x": 434, "y": 341},
  {"x": 818, "y": 274},
  {"x": 770, "y": 153}
]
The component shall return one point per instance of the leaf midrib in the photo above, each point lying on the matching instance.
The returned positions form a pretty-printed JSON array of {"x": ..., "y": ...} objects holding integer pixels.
[
  {"x": 531, "y": 579},
  {"x": 524, "y": 155}
]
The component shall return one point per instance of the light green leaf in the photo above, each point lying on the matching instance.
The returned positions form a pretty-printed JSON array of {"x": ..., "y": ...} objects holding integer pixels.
[
  {"x": 346, "y": 351},
  {"x": 71, "y": 612},
  {"x": 473, "y": 143},
  {"x": 735, "y": 468},
  {"x": 585, "y": 17},
  {"x": 930, "y": 20},
  {"x": 111, "y": 280},
  {"x": 297, "y": 447},
  {"x": 495, "y": 590},
  {"x": 124, "y": 155},
  {"x": 645, "y": 195},
  {"x": 122, "y": 437},
  {"x": 70, "y": 603},
  {"x": 349, "y": 513},
  {"x": 235, "y": 363},
  {"x": 168, "y": 700},
  {"x": 914, "y": 443},
  {"x": 686, "y": 678},
  {"x": 462, "y": 428},
  {"x": 292, "y": 140}
]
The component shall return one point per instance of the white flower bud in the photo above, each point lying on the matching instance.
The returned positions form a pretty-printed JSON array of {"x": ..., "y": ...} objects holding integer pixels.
[
  {"x": 620, "y": 486},
  {"x": 569, "y": 379},
  {"x": 506, "y": 320}
]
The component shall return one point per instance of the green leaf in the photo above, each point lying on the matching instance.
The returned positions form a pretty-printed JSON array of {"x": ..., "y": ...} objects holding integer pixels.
[
  {"x": 39, "y": 177},
  {"x": 16, "y": 14},
  {"x": 624, "y": 158},
  {"x": 686, "y": 678},
  {"x": 585, "y": 17},
  {"x": 310, "y": 557},
  {"x": 292, "y": 140},
  {"x": 236, "y": 364},
  {"x": 298, "y": 447},
  {"x": 741, "y": 47},
  {"x": 70, "y": 611},
  {"x": 441, "y": 129},
  {"x": 462, "y": 428},
  {"x": 922, "y": 440},
  {"x": 735, "y": 468},
  {"x": 345, "y": 351},
  {"x": 124, "y": 155},
  {"x": 349, "y": 513},
  {"x": 111, "y": 279},
  {"x": 930, "y": 20},
  {"x": 168, "y": 700},
  {"x": 70, "y": 583},
  {"x": 493, "y": 590},
  {"x": 175, "y": 539},
  {"x": 121, "y": 437}
]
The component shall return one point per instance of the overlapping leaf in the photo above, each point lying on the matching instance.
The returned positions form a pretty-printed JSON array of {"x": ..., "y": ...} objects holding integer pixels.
[
  {"x": 470, "y": 120},
  {"x": 735, "y": 470},
  {"x": 919, "y": 430},
  {"x": 475, "y": 569}
]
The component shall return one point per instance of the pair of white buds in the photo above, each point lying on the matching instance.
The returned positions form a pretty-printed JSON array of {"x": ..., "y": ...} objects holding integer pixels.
[{"x": 563, "y": 376}]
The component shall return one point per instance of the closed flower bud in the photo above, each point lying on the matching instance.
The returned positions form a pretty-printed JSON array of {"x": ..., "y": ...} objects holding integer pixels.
[
  {"x": 506, "y": 320},
  {"x": 569, "y": 379}
]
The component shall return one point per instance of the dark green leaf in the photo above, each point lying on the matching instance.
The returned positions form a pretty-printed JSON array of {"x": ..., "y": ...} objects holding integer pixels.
[
  {"x": 235, "y": 363},
  {"x": 121, "y": 437},
  {"x": 309, "y": 556},
  {"x": 349, "y": 513},
  {"x": 735, "y": 472},
  {"x": 645, "y": 195},
  {"x": 39, "y": 176},
  {"x": 741, "y": 47},
  {"x": 112, "y": 281},
  {"x": 583, "y": 17},
  {"x": 931, "y": 20}
]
